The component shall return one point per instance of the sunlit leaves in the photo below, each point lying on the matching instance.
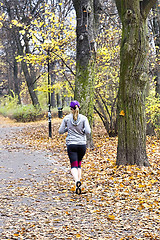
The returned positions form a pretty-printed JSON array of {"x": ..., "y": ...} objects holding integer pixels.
[
  {"x": 107, "y": 73},
  {"x": 108, "y": 54},
  {"x": 61, "y": 36},
  {"x": 48, "y": 31}
]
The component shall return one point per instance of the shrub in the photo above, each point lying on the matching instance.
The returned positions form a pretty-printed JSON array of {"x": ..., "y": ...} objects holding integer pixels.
[
  {"x": 8, "y": 102},
  {"x": 22, "y": 113},
  {"x": 153, "y": 113},
  {"x": 26, "y": 113}
]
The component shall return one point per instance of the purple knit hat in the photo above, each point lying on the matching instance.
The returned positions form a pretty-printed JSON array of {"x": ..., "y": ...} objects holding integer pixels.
[{"x": 74, "y": 103}]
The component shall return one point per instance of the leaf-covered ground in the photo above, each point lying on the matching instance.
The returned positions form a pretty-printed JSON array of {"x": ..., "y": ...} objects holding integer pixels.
[{"x": 116, "y": 203}]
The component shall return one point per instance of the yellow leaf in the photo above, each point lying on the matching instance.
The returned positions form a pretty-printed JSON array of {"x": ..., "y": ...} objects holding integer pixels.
[
  {"x": 22, "y": 32},
  {"x": 140, "y": 185},
  {"x": 121, "y": 185},
  {"x": 111, "y": 217},
  {"x": 14, "y": 22},
  {"x": 122, "y": 113},
  {"x": 78, "y": 236},
  {"x": 153, "y": 181},
  {"x": 73, "y": 189},
  {"x": 140, "y": 208}
]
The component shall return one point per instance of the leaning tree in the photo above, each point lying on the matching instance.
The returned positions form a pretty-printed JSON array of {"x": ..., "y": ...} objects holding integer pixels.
[{"x": 133, "y": 80}]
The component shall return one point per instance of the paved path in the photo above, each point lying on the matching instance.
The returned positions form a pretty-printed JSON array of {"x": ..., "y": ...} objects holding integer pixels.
[{"x": 16, "y": 161}]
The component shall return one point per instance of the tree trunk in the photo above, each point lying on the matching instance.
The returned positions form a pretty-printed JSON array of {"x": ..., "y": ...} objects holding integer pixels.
[
  {"x": 12, "y": 9},
  {"x": 16, "y": 82},
  {"x": 156, "y": 29},
  {"x": 29, "y": 75},
  {"x": 133, "y": 81},
  {"x": 53, "y": 78},
  {"x": 87, "y": 20},
  {"x": 58, "y": 98},
  {"x": 53, "y": 98},
  {"x": 30, "y": 85}
]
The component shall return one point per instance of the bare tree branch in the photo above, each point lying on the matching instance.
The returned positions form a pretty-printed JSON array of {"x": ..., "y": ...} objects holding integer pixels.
[
  {"x": 64, "y": 63},
  {"x": 68, "y": 81}
]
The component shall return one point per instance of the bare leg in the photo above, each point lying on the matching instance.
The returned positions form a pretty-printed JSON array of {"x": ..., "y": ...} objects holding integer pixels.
[
  {"x": 79, "y": 174},
  {"x": 74, "y": 172}
]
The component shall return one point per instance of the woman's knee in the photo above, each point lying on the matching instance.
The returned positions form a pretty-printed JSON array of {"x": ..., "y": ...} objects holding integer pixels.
[{"x": 74, "y": 164}]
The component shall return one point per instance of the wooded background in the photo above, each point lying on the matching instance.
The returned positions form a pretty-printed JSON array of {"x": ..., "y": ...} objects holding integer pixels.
[{"x": 98, "y": 53}]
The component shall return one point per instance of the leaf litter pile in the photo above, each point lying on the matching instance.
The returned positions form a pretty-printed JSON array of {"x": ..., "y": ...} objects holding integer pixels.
[{"x": 116, "y": 202}]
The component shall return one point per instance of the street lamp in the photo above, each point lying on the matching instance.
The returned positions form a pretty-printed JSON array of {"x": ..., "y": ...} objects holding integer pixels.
[
  {"x": 49, "y": 100},
  {"x": 49, "y": 90}
]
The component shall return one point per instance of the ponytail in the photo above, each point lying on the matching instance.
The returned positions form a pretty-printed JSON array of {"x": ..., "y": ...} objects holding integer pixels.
[{"x": 75, "y": 113}]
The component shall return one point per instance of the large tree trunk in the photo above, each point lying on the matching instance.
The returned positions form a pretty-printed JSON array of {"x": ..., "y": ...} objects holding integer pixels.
[
  {"x": 87, "y": 21},
  {"x": 133, "y": 80},
  {"x": 156, "y": 28}
]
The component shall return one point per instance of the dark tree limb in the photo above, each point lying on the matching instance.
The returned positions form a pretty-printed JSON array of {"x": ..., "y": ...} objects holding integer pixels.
[
  {"x": 64, "y": 63},
  {"x": 146, "y": 6},
  {"x": 68, "y": 81}
]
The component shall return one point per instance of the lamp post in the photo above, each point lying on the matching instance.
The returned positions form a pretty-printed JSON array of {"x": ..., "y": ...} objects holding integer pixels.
[{"x": 49, "y": 97}]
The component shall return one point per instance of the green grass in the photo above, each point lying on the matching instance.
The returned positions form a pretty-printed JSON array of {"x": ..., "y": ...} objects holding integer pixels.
[
  {"x": 22, "y": 113},
  {"x": 9, "y": 107}
]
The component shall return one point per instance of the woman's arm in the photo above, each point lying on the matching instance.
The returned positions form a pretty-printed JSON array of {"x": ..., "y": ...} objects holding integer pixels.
[
  {"x": 87, "y": 128},
  {"x": 63, "y": 127}
]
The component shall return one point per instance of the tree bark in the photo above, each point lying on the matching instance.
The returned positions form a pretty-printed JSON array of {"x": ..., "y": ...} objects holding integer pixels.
[
  {"x": 133, "y": 81},
  {"x": 29, "y": 75},
  {"x": 53, "y": 77},
  {"x": 16, "y": 80},
  {"x": 87, "y": 12},
  {"x": 156, "y": 29}
]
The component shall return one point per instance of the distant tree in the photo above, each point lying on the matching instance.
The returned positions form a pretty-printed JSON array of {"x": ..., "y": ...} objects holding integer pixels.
[
  {"x": 18, "y": 14},
  {"x": 52, "y": 40},
  {"x": 9, "y": 72},
  {"x": 27, "y": 24},
  {"x": 133, "y": 80},
  {"x": 107, "y": 67},
  {"x": 62, "y": 11}
]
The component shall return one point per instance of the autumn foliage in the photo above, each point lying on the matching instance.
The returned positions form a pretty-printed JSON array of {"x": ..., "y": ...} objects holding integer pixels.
[{"x": 116, "y": 202}]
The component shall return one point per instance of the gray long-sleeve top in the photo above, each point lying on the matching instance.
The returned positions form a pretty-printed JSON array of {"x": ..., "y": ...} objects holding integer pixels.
[{"x": 77, "y": 130}]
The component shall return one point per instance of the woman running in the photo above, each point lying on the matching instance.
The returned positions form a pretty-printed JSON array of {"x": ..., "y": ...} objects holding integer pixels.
[{"x": 77, "y": 126}]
